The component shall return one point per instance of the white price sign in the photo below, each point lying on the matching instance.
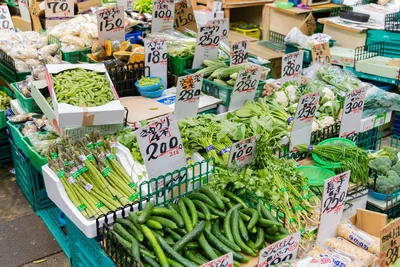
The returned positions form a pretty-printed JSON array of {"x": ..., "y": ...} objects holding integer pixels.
[
  {"x": 208, "y": 38},
  {"x": 59, "y": 9},
  {"x": 217, "y": 6},
  {"x": 239, "y": 52},
  {"x": 352, "y": 112},
  {"x": 163, "y": 15},
  {"x": 280, "y": 251},
  {"x": 292, "y": 66},
  {"x": 245, "y": 86},
  {"x": 156, "y": 58},
  {"x": 242, "y": 152},
  {"x": 188, "y": 91},
  {"x": 223, "y": 261},
  {"x": 110, "y": 24},
  {"x": 333, "y": 197},
  {"x": 5, "y": 18},
  {"x": 24, "y": 10},
  {"x": 126, "y": 4}
]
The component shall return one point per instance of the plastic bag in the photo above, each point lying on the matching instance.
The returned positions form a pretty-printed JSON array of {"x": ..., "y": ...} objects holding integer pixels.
[
  {"x": 358, "y": 237},
  {"x": 308, "y": 262},
  {"x": 29, "y": 128},
  {"x": 295, "y": 36},
  {"x": 378, "y": 101},
  {"x": 337, "y": 257}
]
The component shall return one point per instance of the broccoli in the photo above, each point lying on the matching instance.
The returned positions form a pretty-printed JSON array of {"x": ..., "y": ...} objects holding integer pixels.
[
  {"x": 385, "y": 185},
  {"x": 394, "y": 177},
  {"x": 386, "y": 151},
  {"x": 380, "y": 164},
  {"x": 396, "y": 168}
]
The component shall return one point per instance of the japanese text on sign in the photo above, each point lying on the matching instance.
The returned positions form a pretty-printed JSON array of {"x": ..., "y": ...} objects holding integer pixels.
[
  {"x": 281, "y": 251},
  {"x": 110, "y": 24},
  {"x": 242, "y": 152},
  {"x": 184, "y": 16},
  {"x": 59, "y": 9},
  {"x": 292, "y": 65},
  {"x": 223, "y": 261},
  {"x": 321, "y": 53},
  {"x": 306, "y": 109},
  {"x": 188, "y": 93},
  {"x": 390, "y": 244},
  {"x": 163, "y": 15},
  {"x": 5, "y": 18},
  {"x": 156, "y": 58},
  {"x": 239, "y": 52},
  {"x": 352, "y": 113}
]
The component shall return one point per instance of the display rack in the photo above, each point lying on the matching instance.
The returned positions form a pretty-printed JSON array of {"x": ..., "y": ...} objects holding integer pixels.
[
  {"x": 392, "y": 22},
  {"x": 276, "y": 41}
]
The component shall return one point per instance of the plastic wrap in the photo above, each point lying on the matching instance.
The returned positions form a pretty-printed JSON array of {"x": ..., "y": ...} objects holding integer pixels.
[
  {"x": 378, "y": 101},
  {"x": 295, "y": 36},
  {"x": 178, "y": 44},
  {"x": 337, "y": 257},
  {"x": 308, "y": 262}
]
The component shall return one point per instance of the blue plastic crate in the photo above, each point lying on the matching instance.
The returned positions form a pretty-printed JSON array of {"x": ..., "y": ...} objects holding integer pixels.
[
  {"x": 50, "y": 218},
  {"x": 85, "y": 252},
  {"x": 134, "y": 37}
]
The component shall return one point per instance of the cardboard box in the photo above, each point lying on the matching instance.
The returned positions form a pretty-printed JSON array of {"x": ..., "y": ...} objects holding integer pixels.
[
  {"x": 69, "y": 115},
  {"x": 378, "y": 66},
  {"x": 369, "y": 221},
  {"x": 21, "y": 24}
]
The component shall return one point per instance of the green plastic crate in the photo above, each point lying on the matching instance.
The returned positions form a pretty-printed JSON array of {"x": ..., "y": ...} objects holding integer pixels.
[
  {"x": 307, "y": 55},
  {"x": 28, "y": 104},
  {"x": 222, "y": 92},
  {"x": 5, "y": 153},
  {"x": 2, "y": 112},
  {"x": 17, "y": 136},
  {"x": 75, "y": 56},
  {"x": 37, "y": 161},
  {"x": 179, "y": 64}
]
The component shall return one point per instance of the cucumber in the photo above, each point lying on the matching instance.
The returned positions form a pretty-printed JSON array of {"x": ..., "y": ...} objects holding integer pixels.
[
  {"x": 272, "y": 230},
  {"x": 251, "y": 245},
  {"x": 224, "y": 199},
  {"x": 283, "y": 231},
  {"x": 164, "y": 212},
  {"x": 244, "y": 217},
  {"x": 268, "y": 223},
  {"x": 150, "y": 262},
  {"x": 230, "y": 205},
  {"x": 254, "y": 217},
  {"x": 154, "y": 224},
  {"x": 203, "y": 217},
  {"x": 135, "y": 251},
  {"x": 146, "y": 213},
  {"x": 156, "y": 246},
  {"x": 164, "y": 222},
  {"x": 199, "y": 204},
  {"x": 174, "y": 235},
  {"x": 194, "y": 257},
  {"x": 201, "y": 197},
  {"x": 236, "y": 234},
  {"x": 208, "y": 225},
  {"x": 145, "y": 252},
  {"x": 192, "y": 245},
  {"x": 207, "y": 249},
  {"x": 253, "y": 230},
  {"x": 131, "y": 226},
  {"x": 185, "y": 215},
  {"x": 181, "y": 231},
  {"x": 173, "y": 207},
  {"x": 222, "y": 247},
  {"x": 227, "y": 223},
  {"x": 216, "y": 211},
  {"x": 175, "y": 255},
  {"x": 158, "y": 231},
  {"x": 192, "y": 209},
  {"x": 213, "y": 196},
  {"x": 218, "y": 234},
  {"x": 118, "y": 228},
  {"x": 265, "y": 213},
  {"x": 235, "y": 198},
  {"x": 174, "y": 263},
  {"x": 123, "y": 241},
  {"x": 189, "y": 236},
  {"x": 170, "y": 241},
  {"x": 260, "y": 238},
  {"x": 243, "y": 230},
  {"x": 272, "y": 239}
]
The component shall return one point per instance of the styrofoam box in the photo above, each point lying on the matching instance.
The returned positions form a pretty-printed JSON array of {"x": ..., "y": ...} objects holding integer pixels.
[
  {"x": 376, "y": 12},
  {"x": 56, "y": 192},
  {"x": 69, "y": 115}
]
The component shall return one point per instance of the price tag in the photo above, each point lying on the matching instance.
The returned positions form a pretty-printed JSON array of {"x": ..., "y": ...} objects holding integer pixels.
[
  {"x": 188, "y": 91},
  {"x": 24, "y": 10},
  {"x": 242, "y": 152},
  {"x": 239, "y": 52},
  {"x": 59, "y": 10},
  {"x": 208, "y": 38},
  {"x": 223, "y": 261},
  {"x": 163, "y": 15},
  {"x": 308, "y": 26},
  {"x": 245, "y": 86},
  {"x": 110, "y": 24},
  {"x": 281, "y": 251},
  {"x": 217, "y": 6},
  {"x": 321, "y": 53},
  {"x": 333, "y": 197},
  {"x": 390, "y": 244},
  {"x": 161, "y": 147},
  {"x": 156, "y": 58},
  {"x": 352, "y": 113},
  {"x": 184, "y": 16},
  {"x": 5, "y": 18},
  {"x": 126, "y": 4},
  {"x": 292, "y": 66}
]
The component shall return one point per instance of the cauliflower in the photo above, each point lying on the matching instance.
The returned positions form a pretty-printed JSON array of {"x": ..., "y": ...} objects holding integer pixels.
[
  {"x": 293, "y": 108},
  {"x": 326, "y": 96},
  {"x": 315, "y": 126},
  {"x": 281, "y": 98},
  {"x": 326, "y": 121},
  {"x": 291, "y": 93}
]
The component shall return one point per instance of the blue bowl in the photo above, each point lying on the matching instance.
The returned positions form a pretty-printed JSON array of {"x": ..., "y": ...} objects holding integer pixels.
[
  {"x": 383, "y": 196},
  {"x": 150, "y": 87},
  {"x": 152, "y": 94}
]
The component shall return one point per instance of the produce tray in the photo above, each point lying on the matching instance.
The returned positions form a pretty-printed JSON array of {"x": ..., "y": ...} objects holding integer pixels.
[
  {"x": 307, "y": 55},
  {"x": 374, "y": 77},
  {"x": 222, "y": 92},
  {"x": 28, "y": 104},
  {"x": 17, "y": 136},
  {"x": 255, "y": 33},
  {"x": 75, "y": 56},
  {"x": 177, "y": 65},
  {"x": 391, "y": 40},
  {"x": 2, "y": 112},
  {"x": 37, "y": 161}
]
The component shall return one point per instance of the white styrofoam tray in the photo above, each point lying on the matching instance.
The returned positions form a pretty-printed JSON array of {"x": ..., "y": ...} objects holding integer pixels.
[{"x": 56, "y": 192}]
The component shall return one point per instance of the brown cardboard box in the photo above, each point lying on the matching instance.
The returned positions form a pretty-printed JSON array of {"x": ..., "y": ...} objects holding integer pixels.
[
  {"x": 369, "y": 221},
  {"x": 21, "y": 24}
]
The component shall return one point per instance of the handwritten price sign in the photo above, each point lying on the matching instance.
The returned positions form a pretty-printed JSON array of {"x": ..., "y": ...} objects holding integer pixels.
[
  {"x": 281, "y": 251},
  {"x": 184, "y": 16},
  {"x": 292, "y": 66},
  {"x": 188, "y": 93},
  {"x": 5, "y": 18},
  {"x": 243, "y": 152},
  {"x": 110, "y": 24},
  {"x": 59, "y": 9},
  {"x": 352, "y": 113},
  {"x": 223, "y": 261},
  {"x": 333, "y": 197},
  {"x": 390, "y": 244},
  {"x": 163, "y": 15},
  {"x": 208, "y": 38},
  {"x": 321, "y": 53},
  {"x": 156, "y": 57},
  {"x": 239, "y": 52}
]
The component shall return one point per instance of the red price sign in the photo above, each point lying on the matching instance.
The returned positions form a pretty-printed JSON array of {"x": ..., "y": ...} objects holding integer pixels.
[
  {"x": 110, "y": 24},
  {"x": 163, "y": 15},
  {"x": 223, "y": 261},
  {"x": 239, "y": 52},
  {"x": 281, "y": 251},
  {"x": 352, "y": 113}
]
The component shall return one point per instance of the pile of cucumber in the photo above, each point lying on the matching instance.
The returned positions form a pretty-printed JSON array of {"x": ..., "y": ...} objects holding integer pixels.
[{"x": 201, "y": 227}]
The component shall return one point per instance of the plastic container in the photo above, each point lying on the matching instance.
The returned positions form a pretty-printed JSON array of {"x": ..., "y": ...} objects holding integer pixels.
[
  {"x": 284, "y": 5},
  {"x": 2, "y": 112},
  {"x": 153, "y": 94},
  {"x": 331, "y": 141},
  {"x": 28, "y": 104},
  {"x": 149, "y": 88},
  {"x": 316, "y": 175},
  {"x": 177, "y": 65},
  {"x": 73, "y": 57},
  {"x": 37, "y": 161},
  {"x": 17, "y": 136},
  {"x": 382, "y": 196},
  {"x": 134, "y": 37},
  {"x": 307, "y": 55}
]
